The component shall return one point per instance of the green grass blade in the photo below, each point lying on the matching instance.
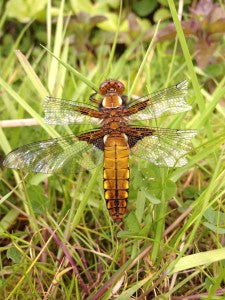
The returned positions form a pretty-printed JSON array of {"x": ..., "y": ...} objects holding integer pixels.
[
  {"x": 196, "y": 260},
  {"x": 53, "y": 70},
  {"x": 112, "y": 53},
  {"x": 74, "y": 72},
  {"x": 31, "y": 74},
  {"x": 187, "y": 56},
  {"x": 148, "y": 55}
]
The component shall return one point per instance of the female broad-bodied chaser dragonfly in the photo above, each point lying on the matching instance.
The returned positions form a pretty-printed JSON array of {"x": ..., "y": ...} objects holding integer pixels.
[{"x": 116, "y": 138}]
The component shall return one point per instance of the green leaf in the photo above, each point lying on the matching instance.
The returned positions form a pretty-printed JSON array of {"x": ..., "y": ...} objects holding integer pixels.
[
  {"x": 144, "y": 7},
  {"x": 214, "y": 228},
  {"x": 14, "y": 254},
  {"x": 147, "y": 226},
  {"x": 37, "y": 199},
  {"x": 157, "y": 188},
  {"x": 140, "y": 205},
  {"x": 38, "y": 178},
  {"x": 191, "y": 192},
  {"x": 24, "y": 10},
  {"x": 214, "y": 70},
  {"x": 161, "y": 14},
  {"x": 111, "y": 24},
  {"x": 152, "y": 198},
  {"x": 214, "y": 217},
  {"x": 132, "y": 223},
  {"x": 163, "y": 2},
  {"x": 84, "y": 5}
]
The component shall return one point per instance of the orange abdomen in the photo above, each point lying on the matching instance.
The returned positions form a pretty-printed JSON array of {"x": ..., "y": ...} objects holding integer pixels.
[{"x": 116, "y": 175}]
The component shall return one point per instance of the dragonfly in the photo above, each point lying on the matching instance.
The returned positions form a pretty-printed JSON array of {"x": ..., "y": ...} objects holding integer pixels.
[{"x": 115, "y": 135}]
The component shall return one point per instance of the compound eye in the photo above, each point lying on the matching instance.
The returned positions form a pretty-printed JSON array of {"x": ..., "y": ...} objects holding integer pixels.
[
  {"x": 120, "y": 87},
  {"x": 111, "y": 86},
  {"x": 103, "y": 88}
]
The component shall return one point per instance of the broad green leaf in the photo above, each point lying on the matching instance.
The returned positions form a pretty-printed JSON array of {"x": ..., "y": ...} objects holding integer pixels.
[
  {"x": 214, "y": 228},
  {"x": 214, "y": 70},
  {"x": 140, "y": 203},
  {"x": 191, "y": 192},
  {"x": 37, "y": 199},
  {"x": 84, "y": 5},
  {"x": 214, "y": 217},
  {"x": 111, "y": 24},
  {"x": 144, "y": 7},
  {"x": 156, "y": 188},
  {"x": 38, "y": 178},
  {"x": 132, "y": 223},
  {"x": 24, "y": 10},
  {"x": 152, "y": 198},
  {"x": 161, "y": 14},
  {"x": 14, "y": 254}
]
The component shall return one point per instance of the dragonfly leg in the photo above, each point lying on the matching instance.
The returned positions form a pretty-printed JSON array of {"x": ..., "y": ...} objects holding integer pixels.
[{"x": 92, "y": 99}]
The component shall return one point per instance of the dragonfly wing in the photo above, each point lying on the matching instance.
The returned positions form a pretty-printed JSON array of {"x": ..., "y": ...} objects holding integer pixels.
[
  {"x": 61, "y": 111},
  {"x": 60, "y": 155},
  {"x": 168, "y": 101},
  {"x": 161, "y": 146}
]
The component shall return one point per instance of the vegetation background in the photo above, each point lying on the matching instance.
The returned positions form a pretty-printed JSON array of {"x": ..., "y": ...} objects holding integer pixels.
[{"x": 57, "y": 239}]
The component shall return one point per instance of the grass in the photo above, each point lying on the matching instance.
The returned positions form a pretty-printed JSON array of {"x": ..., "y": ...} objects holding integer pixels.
[{"x": 57, "y": 239}]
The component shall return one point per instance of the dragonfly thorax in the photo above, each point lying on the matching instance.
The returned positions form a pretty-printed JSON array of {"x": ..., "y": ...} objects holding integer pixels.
[{"x": 111, "y": 101}]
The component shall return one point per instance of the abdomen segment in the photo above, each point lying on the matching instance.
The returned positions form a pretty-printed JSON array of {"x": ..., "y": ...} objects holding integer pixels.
[{"x": 116, "y": 175}]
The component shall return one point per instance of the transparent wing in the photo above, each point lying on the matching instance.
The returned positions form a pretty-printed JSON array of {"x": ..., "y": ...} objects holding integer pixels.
[
  {"x": 168, "y": 101},
  {"x": 61, "y": 111},
  {"x": 162, "y": 146},
  {"x": 60, "y": 155}
]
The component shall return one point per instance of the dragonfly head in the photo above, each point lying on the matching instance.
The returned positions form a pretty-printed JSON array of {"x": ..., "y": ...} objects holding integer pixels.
[{"x": 111, "y": 87}]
